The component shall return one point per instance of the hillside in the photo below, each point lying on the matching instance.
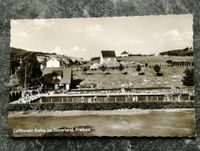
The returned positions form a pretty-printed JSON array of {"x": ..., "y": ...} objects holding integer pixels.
[
  {"x": 17, "y": 54},
  {"x": 179, "y": 52}
]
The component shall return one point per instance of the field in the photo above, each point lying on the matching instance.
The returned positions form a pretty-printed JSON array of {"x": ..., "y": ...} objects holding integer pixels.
[
  {"x": 172, "y": 76},
  {"x": 133, "y": 122},
  {"x": 155, "y": 59},
  {"x": 113, "y": 78}
]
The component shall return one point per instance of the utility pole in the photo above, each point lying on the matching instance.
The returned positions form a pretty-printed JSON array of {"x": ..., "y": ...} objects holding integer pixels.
[{"x": 25, "y": 80}]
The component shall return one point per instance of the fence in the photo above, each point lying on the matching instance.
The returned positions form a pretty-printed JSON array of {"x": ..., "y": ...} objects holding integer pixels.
[{"x": 118, "y": 98}]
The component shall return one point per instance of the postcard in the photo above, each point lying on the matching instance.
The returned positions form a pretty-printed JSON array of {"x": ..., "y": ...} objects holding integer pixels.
[{"x": 111, "y": 76}]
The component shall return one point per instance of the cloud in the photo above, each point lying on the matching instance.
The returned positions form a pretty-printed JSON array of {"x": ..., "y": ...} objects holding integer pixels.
[
  {"x": 188, "y": 35},
  {"x": 173, "y": 35},
  {"x": 94, "y": 30},
  {"x": 134, "y": 41},
  {"x": 57, "y": 50},
  {"x": 77, "y": 49}
]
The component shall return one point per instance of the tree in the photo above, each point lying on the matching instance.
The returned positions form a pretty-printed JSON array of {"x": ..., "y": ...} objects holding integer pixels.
[
  {"x": 85, "y": 69},
  {"x": 121, "y": 67},
  {"x": 103, "y": 68},
  {"x": 14, "y": 64},
  {"x": 138, "y": 68},
  {"x": 157, "y": 68},
  {"x": 188, "y": 78},
  {"x": 31, "y": 68},
  {"x": 169, "y": 61}
]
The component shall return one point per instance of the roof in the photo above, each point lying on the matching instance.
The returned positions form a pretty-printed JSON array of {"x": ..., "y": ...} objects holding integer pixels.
[
  {"x": 66, "y": 73},
  {"x": 124, "y": 52},
  {"x": 108, "y": 53}
]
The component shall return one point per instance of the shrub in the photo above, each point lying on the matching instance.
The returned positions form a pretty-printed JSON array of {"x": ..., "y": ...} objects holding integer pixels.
[
  {"x": 103, "y": 68},
  {"x": 188, "y": 78},
  {"x": 157, "y": 68},
  {"x": 121, "y": 67},
  {"x": 159, "y": 74},
  {"x": 141, "y": 73},
  {"x": 138, "y": 68}
]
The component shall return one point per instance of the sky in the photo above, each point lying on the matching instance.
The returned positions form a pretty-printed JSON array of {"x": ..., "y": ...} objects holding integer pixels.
[{"x": 86, "y": 37}]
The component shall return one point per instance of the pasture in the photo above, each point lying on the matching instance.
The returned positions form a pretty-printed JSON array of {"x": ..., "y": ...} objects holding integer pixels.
[{"x": 113, "y": 78}]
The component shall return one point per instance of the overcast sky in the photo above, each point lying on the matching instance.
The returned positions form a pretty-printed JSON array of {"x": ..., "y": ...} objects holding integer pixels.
[{"x": 86, "y": 37}]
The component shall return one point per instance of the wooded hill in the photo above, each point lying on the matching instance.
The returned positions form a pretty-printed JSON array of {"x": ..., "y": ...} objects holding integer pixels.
[
  {"x": 19, "y": 54},
  {"x": 179, "y": 52}
]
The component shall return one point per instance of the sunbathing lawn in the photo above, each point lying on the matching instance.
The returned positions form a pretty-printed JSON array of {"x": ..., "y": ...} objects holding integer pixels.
[{"x": 172, "y": 77}]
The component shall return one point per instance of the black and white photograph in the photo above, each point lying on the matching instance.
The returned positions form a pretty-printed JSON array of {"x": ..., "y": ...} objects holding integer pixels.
[{"x": 110, "y": 76}]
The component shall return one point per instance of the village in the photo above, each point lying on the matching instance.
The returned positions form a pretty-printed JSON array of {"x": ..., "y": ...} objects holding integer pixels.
[
  {"x": 110, "y": 78},
  {"x": 126, "y": 95}
]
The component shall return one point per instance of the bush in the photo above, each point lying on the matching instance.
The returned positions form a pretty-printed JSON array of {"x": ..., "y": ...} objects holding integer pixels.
[
  {"x": 124, "y": 73},
  {"x": 188, "y": 78},
  {"x": 157, "y": 68},
  {"x": 141, "y": 73},
  {"x": 138, "y": 68},
  {"x": 159, "y": 74},
  {"x": 107, "y": 73},
  {"x": 85, "y": 69},
  {"x": 103, "y": 68},
  {"x": 121, "y": 67},
  {"x": 169, "y": 61}
]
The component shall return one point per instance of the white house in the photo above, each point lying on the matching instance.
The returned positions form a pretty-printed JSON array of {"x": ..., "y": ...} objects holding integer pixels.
[
  {"x": 124, "y": 54},
  {"x": 107, "y": 56},
  {"x": 53, "y": 63},
  {"x": 108, "y": 59}
]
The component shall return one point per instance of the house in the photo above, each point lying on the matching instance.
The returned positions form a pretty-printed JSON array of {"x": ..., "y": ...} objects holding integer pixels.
[
  {"x": 124, "y": 54},
  {"x": 108, "y": 59},
  {"x": 107, "y": 56},
  {"x": 57, "y": 78},
  {"x": 94, "y": 66},
  {"x": 53, "y": 63}
]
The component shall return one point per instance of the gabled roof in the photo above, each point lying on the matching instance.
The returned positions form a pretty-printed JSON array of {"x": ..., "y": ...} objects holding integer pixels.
[
  {"x": 65, "y": 71},
  {"x": 124, "y": 53},
  {"x": 108, "y": 53}
]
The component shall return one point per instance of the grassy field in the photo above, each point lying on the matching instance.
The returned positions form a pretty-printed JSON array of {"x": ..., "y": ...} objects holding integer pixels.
[
  {"x": 155, "y": 59},
  {"x": 133, "y": 122},
  {"x": 172, "y": 76}
]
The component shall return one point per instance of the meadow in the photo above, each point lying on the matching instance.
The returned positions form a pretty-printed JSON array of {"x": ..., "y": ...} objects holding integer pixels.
[{"x": 113, "y": 78}]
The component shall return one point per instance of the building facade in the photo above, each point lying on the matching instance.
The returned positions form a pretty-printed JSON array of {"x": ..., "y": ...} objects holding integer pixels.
[
  {"x": 124, "y": 54},
  {"x": 53, "y": 63},
  {"x": 108, "y": 59},
  {"x": 57, "y": 78}
]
